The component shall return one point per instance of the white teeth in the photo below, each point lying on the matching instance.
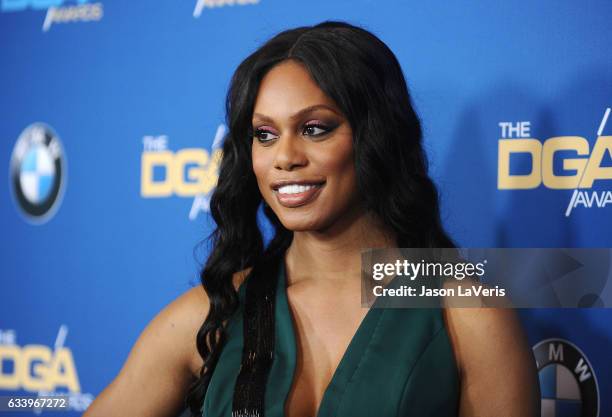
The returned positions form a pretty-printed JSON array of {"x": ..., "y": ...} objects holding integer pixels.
[{"x": 295, "y": 188}]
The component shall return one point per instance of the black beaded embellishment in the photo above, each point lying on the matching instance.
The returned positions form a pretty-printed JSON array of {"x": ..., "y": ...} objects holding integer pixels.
[{"x": 259, "y": 339}]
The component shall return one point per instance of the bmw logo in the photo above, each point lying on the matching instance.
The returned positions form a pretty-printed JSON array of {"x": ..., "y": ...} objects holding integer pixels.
[
  {"x": 567, "y": 380},
  {"x": 38, "y": 173}
]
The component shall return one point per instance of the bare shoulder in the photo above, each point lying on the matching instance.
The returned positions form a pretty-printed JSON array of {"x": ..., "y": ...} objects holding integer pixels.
[
  {"x": 496, "y": 364},
  {"x": 479, "y": 330},
  {"x": 240, "y": 276},
  {"x": 191, "y": 309},
  {"x": 163, "y": 362}
]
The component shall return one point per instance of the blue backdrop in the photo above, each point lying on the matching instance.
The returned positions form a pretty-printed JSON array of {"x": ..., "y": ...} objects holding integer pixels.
[{"x": 109, "y": 116}]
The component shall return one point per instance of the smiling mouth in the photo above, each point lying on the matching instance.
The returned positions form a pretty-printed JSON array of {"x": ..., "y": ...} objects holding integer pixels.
[{"x": 293, "y": 195}]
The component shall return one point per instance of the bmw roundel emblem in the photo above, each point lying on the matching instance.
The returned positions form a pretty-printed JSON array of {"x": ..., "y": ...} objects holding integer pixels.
[
  {"x": 568, "y": 384},
  {"x": 38, "y": 173}
]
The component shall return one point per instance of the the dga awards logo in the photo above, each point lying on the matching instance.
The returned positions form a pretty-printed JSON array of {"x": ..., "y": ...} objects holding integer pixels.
[
  {"x": 567, "y": 380},
  {"x": 558, "y": 163},
  {"x": 188, "y": 172},
  {"x": 41, "y": 369},
  {"x": 58, "y": 11},
  {"x": 38, "y": 173}
]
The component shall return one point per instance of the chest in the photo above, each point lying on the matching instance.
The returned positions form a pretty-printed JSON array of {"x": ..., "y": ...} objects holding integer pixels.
[
  {"x": 399, "y": 363},
  {"x": 324, "y": 321}
]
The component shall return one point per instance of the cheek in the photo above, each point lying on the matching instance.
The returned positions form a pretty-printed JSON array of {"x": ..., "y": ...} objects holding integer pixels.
[
  {"x": 342, "y": 166},
  {"x": 261, "y": 164},
  {"x": 348, "y": 180}
]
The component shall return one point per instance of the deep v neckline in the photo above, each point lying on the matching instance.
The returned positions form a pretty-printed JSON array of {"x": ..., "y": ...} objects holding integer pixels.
[{"x": 348, "y": 364}]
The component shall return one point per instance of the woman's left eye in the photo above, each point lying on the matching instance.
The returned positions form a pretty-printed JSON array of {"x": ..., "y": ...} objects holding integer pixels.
[{"x": 315, "y": 130}]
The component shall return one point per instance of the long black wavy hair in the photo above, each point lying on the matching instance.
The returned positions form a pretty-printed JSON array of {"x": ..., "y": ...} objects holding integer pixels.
[{"x": 364, "y": 78}]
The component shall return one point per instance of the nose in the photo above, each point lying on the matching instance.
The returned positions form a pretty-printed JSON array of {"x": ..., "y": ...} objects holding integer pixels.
[{"x": 290, "y": 153}]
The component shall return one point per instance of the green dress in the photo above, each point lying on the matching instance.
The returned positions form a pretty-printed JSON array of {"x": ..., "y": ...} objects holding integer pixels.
[{"x": 399, "y": 363}]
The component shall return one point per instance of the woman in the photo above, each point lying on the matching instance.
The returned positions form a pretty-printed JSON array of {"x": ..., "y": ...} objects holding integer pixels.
[{"x": 322, "y": 134}]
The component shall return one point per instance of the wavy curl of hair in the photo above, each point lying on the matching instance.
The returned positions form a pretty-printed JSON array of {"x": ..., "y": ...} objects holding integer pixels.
[{"x": 365, "y": 80}]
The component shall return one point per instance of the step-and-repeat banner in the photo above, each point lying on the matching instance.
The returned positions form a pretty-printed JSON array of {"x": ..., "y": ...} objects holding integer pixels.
[{"x": 112, "y": 114}]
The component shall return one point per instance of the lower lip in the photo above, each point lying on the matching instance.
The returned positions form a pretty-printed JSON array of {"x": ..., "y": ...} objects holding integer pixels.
[{"x": 298, "y": 199}]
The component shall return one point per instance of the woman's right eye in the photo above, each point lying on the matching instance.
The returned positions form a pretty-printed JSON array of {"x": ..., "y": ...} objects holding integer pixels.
[{"x": 264, "y": 135}]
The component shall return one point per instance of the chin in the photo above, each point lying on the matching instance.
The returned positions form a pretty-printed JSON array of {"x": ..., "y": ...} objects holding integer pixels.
[
  {"x": 312, "y": 217},
  {"x": 301, "y": 224},
  {"x": 306, "y": 222}
]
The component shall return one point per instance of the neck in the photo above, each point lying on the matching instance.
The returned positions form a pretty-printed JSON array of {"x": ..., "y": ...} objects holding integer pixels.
[{"x": 335, "y": 253}]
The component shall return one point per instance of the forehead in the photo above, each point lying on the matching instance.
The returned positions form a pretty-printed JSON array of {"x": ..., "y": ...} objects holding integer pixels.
[{"x": 287, "y": 88}]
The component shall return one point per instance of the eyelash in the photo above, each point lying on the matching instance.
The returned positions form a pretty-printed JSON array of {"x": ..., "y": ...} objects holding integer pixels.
[{"x": 326, "y": 129}]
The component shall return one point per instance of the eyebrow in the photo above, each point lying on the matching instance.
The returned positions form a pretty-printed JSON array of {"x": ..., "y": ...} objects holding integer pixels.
[{"x": 299, "y": 113}]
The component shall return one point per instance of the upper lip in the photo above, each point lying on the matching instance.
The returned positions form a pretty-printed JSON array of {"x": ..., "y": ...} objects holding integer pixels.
[{"x": 277, "y": 184}]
